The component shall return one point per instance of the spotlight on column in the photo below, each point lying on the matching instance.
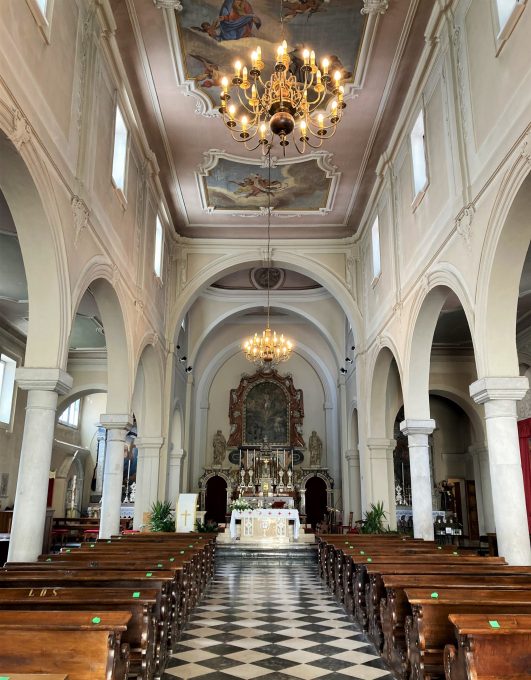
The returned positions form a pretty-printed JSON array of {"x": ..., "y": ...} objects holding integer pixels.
[
  {"x": 178, "y": 347},
  {"x": 348, "y": 360},
  {"x": 188, "y": 369},
  {"x": 182, "y": 360},
  {"x": 353, "y": 347},
  {"x": 343, "y": 370}
]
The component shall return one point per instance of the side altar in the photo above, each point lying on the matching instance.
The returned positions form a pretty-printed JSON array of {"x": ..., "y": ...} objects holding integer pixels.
[{"x": 270, "y": 466}]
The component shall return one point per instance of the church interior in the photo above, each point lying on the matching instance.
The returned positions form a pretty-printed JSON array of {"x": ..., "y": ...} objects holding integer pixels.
[{"x": 265, "y": 279}]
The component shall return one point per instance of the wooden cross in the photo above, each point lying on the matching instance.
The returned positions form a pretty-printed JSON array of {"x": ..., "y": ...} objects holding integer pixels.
[{"x": 185, "y": 515}]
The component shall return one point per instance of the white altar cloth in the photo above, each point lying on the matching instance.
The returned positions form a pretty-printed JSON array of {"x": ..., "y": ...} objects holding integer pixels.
[{"x": 265, "y": 518}]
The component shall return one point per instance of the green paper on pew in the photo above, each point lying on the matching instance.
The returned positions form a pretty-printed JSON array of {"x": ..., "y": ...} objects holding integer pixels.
[
  {"x": 4, "y": 677},
  {"x": 172, "y": 559},
  {"x": 439, "y": 547},
  {"x": 434, "y": 595},
  {"x": 494, "y": 624},
  {"x": 369, "y": 559},
  {"x": 68, "y": 550},
  {"x": 362, "y": 552},
  {"x": 48, "y": 559},
  {"x": 96, "y": 619},
  {"x": 455, "y": 553},
  {"x": 92, "y": 545},
  {"x": 182, "y": 552},
  {"x": 149, "y": 573},
  {"x": 109, "y": 541},
  {"x": 136, "y": 594},
  {"x": 191, "y": 545},
  {"x": 159, "y": 564}
]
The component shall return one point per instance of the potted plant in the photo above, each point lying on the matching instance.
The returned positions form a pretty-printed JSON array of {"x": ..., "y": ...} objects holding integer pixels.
[
  {"x": 373, "y": 522},
  {"x": 161, "y": 517}
]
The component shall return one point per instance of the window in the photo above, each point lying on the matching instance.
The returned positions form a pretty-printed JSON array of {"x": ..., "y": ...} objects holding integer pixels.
[
  {"x": 70, "y": 416},
  {"x": 418, "y": 154},
  {"x": 42, "y": 13},
  {"x": 375, "y": 241},
  {"x": 159, "y": 248},
  {"x": 42, "y": 6},
  {"x": 505, "y": 9},
  {"x": 119, "y": 159},
  {"x": 7, "y": 387}
]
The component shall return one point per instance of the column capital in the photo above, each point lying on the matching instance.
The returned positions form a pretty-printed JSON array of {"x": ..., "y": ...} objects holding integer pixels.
[
  {"x": 411, "y": 426},
  {"x": 490, "y": 389},
  {"x": 177, "y": 455},
  {"x": 116, "y": 421},
  {"x": 45, "y": 379},
  {"x": 149, "y": 442},
  {"x": 375, "y": 443},
  {"x": 352, "y": 456}
]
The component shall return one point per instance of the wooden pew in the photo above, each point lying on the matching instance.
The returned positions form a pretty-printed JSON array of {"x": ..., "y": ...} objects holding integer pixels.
[
  {"x": 484, "y": 652},
  {"x": 394, "y": 607},
  {"x": 36, "y": 676},
  {"x": 84, "y": 645},
  {"x": 428, "y": 629},
  {"x": 141, "y": 633},
  {"x": 162, "y": 581}
]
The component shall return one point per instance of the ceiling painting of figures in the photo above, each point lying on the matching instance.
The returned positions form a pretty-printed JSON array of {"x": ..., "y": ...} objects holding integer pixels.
[{"x": 215, "y": 33}]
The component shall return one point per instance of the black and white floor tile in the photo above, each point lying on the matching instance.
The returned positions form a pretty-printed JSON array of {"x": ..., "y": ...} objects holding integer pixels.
[{"x": 272, "y": 621}]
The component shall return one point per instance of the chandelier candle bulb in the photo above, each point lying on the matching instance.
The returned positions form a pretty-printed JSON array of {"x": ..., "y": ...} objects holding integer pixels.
[
  {"x": 312, "y": 58},
  {"x": 326, "y": 64},
  {"x": 337, "y": 77},
  {"x": 306, "y": 56},
  {"x": 237, "y": 68}
]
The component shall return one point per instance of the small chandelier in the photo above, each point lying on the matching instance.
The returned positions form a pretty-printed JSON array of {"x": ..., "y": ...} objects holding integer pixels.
[
  {"x": 267, "y": 348},
  {"x": 255, "y": 110}
]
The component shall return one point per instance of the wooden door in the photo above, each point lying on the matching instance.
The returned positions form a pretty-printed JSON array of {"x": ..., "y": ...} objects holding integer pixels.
[
  {"x": 216, "y": 499},
  {"x": 315, "y": 500}
]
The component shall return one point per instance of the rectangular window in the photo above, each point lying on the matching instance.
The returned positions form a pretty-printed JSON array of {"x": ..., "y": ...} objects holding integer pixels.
[
  {"x": 375, "y": 241},
  {"x": 7, "y": 387},
  {"x": 119, "y": 159},
  {"x": 42, "y": 6},
  {"x": 505, "y": 9},
  {"x": 418, "y": 154},
  {"x": 159, "y": 248},
  {"x": 70, "y": 416}
]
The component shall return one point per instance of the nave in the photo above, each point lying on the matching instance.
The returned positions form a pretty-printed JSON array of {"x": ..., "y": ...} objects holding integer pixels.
[{"x": 272, "y": 620}]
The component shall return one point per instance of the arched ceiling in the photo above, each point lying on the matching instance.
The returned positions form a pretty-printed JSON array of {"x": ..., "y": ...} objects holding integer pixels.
[{"x": 174, "y": 61}]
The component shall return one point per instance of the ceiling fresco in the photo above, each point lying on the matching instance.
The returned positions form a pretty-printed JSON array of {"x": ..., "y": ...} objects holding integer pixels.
[
  {"x": 215, "y": 33},
  {"x": 174, "y": 54},
  {"x": 234, "y": 185}
]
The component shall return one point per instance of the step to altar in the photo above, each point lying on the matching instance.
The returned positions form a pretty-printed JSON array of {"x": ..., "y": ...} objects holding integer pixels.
[{"x": 262, "y": 550}]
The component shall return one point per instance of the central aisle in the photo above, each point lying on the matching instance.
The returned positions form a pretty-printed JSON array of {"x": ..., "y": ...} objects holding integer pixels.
[{"x": 274, "y": 621}]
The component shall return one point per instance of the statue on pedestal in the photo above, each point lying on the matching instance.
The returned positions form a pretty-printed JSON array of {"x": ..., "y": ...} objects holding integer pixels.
[
  {"x": 219, "y": 444},
  {"x": 315, "y": 446}
]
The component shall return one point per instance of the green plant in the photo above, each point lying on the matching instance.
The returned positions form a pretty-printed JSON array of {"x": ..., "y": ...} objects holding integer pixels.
[
  {"x": 161, "y": 517},
  {"x": 373, "y": 522},
  {"x": 209, "y": 527}
]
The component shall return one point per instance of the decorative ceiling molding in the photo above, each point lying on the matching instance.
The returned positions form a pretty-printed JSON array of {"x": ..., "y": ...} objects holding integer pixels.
[
  {"x": 205, "y": 106},
  {"x": 169, "y": 4},
  {"x": 324, "y": 163}
]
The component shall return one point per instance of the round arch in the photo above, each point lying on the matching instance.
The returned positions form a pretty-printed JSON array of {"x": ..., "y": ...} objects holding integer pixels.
[
  {"x": 424, "y": 318},
  {"x": 382, "y": 412},
  {"x": 289, "y": 260},
  {"x": 29, "y": 193},
  {"x": 502, "y": 261}
]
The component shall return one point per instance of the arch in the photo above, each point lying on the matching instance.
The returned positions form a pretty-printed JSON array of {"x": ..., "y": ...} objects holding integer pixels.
[
  {"x": 502, "y": 260},
  {"x": 29, "y": 193},
  {"x": 236, "y": 311},
  {"x": 462, "y": 399},
  {"x": 382, "y": 410},
  {"x": 78, "y": 393},
  {"x": 148, "y": 392},
  {"x": 423, "y": 321},
  {"x": 289, "y": 260}
]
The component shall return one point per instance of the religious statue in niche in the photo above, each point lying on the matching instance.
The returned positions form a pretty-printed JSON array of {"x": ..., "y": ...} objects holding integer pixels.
[
  {"x": 315, "y": 446},
  {"x": 266, "y": 405},
  {"x": 219, "y": 444}
]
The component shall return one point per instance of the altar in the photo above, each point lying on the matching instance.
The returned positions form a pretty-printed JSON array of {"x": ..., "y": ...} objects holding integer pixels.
[{"x": 265, "y": 524}]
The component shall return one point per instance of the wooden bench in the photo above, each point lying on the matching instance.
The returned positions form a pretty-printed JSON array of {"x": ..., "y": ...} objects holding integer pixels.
[
  {"x": 84, "y": 645},
  {"x": 141, "y": 633},
  {"x": 163, "y": 581},
  {"x": 428, "y": 629},
  {"x": 484, "y": 652},
  {"x": 34, "y": 676},
  {"x": 394, "y": 607}
]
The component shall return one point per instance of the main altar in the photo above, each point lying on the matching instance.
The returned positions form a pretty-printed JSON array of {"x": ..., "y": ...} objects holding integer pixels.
[{"x": 270, "y": 463}]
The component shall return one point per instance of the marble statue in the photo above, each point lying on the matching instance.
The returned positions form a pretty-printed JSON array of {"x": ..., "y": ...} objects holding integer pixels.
[
  {"x": 315, "y": 446},
  {"x": 220, "y": 447}
]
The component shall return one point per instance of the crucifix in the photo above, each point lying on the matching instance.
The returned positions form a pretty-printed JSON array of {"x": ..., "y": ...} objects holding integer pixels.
[{"x": 185, "y": 515}]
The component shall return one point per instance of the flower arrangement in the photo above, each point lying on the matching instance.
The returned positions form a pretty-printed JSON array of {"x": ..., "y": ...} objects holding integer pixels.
[{"x": 240, "y": 504}]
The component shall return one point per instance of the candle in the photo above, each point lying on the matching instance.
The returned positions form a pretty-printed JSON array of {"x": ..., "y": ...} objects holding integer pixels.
[
  {"x": 320, "y": 120},
  {"x": 337, "y": 77},
  {"x": 232, "y": 111},
  {"x": 263, "y": 130},
  {"x": 318, "y": 77},
  {"x": 225, "y": 84},
  {"x": 244, "y": 77},
  {"x": 237, "y": 68},
  {"x": 326, "y": 64},
  {"x": 306, "y": 56},
  {"x": 254, "y": 58},
  {"x": 312, "y": 58}
]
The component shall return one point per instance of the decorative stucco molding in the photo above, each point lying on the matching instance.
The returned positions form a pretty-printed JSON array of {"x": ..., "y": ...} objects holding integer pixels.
[
  {"x": 169, "y": 4},
  {"x": 375, "y": 6},
  {"x": 21, "y": 130},
  {"x": 81, "y": 215},
  {"x": 463, "y": 225}
]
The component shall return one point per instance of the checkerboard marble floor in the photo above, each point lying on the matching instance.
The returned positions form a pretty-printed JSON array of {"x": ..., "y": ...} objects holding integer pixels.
[{"x": 272, "y": 621}]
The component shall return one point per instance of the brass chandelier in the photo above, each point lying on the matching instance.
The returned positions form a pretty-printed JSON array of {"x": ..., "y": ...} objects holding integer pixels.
[
  {"x": 267, "y": 348},
  {"x": 308, "y": 98}
]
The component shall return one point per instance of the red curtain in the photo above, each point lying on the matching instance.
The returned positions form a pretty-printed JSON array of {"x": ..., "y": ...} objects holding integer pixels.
[{"x": 524, "y": 434}]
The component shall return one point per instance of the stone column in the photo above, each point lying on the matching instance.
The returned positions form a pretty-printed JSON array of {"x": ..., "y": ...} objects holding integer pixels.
[
  {"x": 480, "y": 458},
  {"x": 383, "y": 476},
  {"x": 174, "y": 474},
  {"x": 117, "y": 426},
  {"x": 353, "y": 460},
  {"x": 44, "y": 385},
  {"x": 147, "y": 477},
  {"x": 345, "y": 490},
  {"x": 417, "y": 432},
  {"x": 499, "y": 395}
]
